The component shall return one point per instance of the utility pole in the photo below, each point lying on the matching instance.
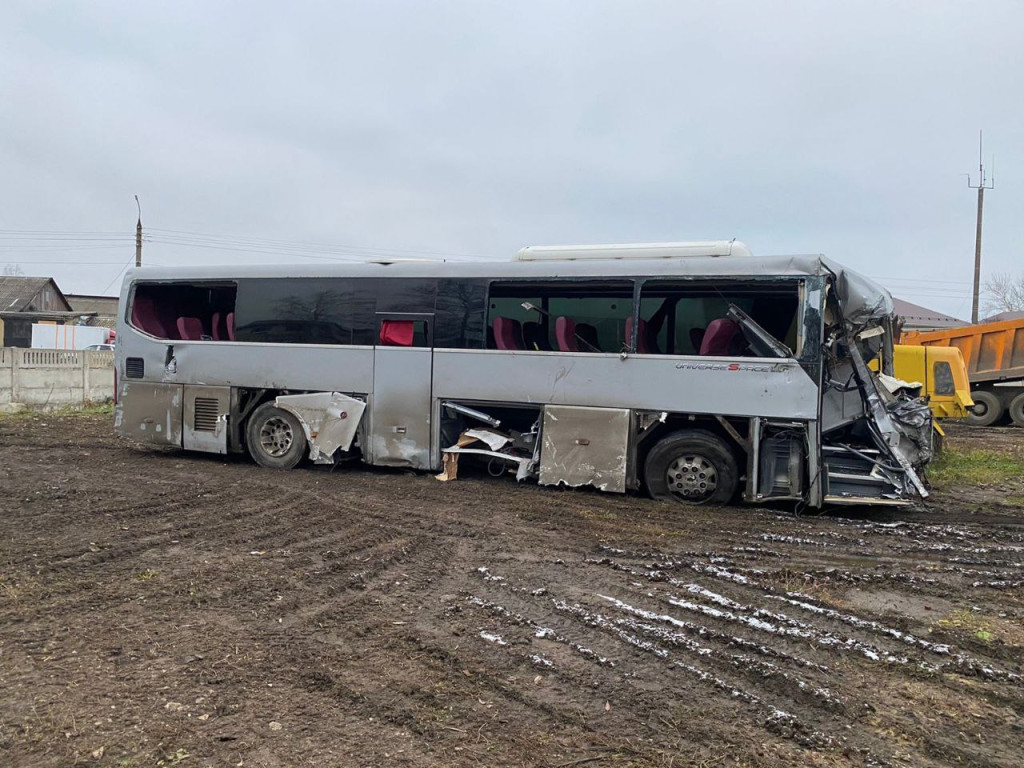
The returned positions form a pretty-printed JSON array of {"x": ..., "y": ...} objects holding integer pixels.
[
  {"x": 138, "y": 235},
  {"x": 981, "y": 186}
]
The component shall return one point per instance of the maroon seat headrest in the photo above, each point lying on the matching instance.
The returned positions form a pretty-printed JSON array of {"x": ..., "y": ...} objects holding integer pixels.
[
  {"x": 508, "y": 333},
  {"x": 565, "y": 334},
  {"x": 720, "y": 337}
]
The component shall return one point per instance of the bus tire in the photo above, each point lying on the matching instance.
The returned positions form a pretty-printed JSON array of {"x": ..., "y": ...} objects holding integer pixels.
[
  {"x": 691, "y": 466},
  {"x": 1016, "y": 410},
  {"x": 275, "y": 438},
  {"x": 987, "y": 410}
]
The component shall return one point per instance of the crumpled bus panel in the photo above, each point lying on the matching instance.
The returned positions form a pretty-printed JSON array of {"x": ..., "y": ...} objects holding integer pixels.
[
  {"x": 329, "y": 419},
  {"x": 585, "y": 446}
]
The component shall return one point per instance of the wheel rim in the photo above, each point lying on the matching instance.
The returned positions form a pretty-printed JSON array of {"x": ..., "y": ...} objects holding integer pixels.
[
  {"x": 980, "y": 409},
  {"x": 691, "y": 478},
  {"x": 276, "y": 437}
]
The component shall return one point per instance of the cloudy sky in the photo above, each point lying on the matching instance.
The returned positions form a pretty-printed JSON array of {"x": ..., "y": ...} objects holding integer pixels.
[{"x": 268, "y": 132}]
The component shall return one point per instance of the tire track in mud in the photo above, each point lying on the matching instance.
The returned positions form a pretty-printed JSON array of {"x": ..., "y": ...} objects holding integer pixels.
[
  {"x": 869, "y": 638},
  {"x": 602, "y": 640},
  {"x": 739, "y": 637}
]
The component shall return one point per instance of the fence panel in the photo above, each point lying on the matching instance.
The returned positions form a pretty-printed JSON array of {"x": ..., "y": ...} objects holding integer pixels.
[{"x": 55, "y": 378}]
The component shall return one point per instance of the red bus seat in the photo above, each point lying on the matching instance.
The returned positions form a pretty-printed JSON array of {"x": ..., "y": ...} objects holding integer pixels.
[
  {"x": 396, "y": 333},
  {"x": 565, "y": 334},
  {"x": 190, "y": 328},
  {"x": 508, "y": 333},
  {"x": 720, "y": 338}
]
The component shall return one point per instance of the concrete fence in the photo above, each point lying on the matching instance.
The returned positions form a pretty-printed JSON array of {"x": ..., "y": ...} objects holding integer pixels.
[{"x": 55, "y": 378}]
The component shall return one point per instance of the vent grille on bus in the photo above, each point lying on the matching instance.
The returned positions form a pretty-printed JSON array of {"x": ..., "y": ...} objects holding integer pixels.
[
  {"x": 134, "y": 368},
  {"x": 206, "y": 413}
]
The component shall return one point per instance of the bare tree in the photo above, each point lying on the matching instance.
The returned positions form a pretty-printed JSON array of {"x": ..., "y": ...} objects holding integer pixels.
[
  {"x": 1004, "y": 292},
  {"x": 13, "y": 270}
]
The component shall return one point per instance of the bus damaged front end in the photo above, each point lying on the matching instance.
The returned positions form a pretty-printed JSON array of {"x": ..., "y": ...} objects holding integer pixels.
[{"x": 876, "y": 430}]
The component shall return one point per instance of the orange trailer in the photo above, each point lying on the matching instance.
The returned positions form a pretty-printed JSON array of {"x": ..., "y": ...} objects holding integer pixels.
[{"x": 994, "y": 354}]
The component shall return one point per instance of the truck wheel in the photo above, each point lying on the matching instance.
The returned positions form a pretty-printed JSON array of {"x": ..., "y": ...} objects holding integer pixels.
[
  {"x": 1016, "y": 410},
  {"x": 691, "y": 466},
  {"x": 988, "y": 409},
  {"x": 275, "y": 438}
]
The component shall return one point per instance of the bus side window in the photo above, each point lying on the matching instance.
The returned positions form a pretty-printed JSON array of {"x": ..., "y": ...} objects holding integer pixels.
[
  {"x": 595, "y": 310},
  {"x": 459, "y": 312},
  {"x": 180, "y": 310},
  {"x": 299, "y": 310},
  {"x": 680, "y": 315}
]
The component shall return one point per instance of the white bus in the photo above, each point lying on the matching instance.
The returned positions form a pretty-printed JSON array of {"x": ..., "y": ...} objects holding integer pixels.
[{"x": 692, "y": 371}]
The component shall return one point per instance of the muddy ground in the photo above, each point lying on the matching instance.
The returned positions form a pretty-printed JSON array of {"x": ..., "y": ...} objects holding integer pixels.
[{"x": 160, "y": 608}]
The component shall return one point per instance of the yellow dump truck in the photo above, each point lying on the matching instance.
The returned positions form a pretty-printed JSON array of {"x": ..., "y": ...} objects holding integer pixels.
[{"x": 994, "y": 354}]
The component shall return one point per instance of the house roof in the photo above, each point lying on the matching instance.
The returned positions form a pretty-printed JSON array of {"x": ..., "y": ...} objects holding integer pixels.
[
  {"x": 1003, "y": 316},
  {"x": 16, "y": 293},
  {"x": 916, "y": 316},
  {"x": 103, "y": 305}
]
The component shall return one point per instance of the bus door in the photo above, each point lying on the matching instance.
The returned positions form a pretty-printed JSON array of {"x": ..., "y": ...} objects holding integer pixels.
[{"x": 400, "y": 417}]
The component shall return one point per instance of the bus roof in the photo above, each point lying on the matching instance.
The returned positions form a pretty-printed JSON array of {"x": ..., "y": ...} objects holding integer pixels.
[{"x": 695, "y": 266}]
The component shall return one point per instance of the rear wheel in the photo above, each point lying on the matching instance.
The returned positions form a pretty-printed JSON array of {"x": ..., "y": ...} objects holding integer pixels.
[
  {"x": 691, "y": 466},
  {"x": 275, "y": 438},
  {"x": 987, "y": 410},
  {"x": 1016, "y": 410}
]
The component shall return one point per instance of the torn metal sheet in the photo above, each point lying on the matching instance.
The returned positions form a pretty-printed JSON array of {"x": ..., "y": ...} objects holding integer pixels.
[
  {"x": 495, "y": 440},
  {"x": 903, "y": 438},
  {"x": 329, "y": 419},
  {"x": 585, "y": 446},
  {"x": 523, "y": 462}
]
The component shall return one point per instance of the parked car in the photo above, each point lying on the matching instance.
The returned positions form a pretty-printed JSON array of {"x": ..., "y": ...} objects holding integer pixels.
[{"x": 108, "y": 347}]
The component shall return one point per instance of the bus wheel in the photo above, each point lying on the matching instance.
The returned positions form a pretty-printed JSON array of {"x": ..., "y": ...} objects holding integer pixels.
[
  {"x": 987, "y": 410},
  {"x": 691, "y": 466},
  {"x": 1017, "y": 410},
  {"x": 275, "y": 438}
]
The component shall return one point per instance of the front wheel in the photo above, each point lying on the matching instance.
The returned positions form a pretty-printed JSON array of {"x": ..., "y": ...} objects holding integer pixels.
[
  {"x": 987, "y": 410},
  {"x": 691, "y": 466},
  {"x": 275, "y": 438}
]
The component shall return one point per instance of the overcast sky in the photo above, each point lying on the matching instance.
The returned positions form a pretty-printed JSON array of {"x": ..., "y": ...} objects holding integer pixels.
[{"x": 473, "y": 128}]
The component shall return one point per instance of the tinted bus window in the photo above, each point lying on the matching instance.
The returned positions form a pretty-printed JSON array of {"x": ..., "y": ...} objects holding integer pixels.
[
  {"x": 305, "y": 311},
  {"x": 406, "y": 295},
  {"x": 460, "y": 314}
]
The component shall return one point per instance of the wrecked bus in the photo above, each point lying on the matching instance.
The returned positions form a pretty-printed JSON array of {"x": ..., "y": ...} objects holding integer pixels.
[{"x": 694, "y": 371}]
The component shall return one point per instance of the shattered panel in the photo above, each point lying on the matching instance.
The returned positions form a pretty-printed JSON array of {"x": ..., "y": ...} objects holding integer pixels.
[
  {"x": 329, "y": 419},
  {"x": 585, "y": 446}
]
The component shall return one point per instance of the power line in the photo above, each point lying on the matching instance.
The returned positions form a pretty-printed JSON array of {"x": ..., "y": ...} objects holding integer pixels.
[{"x": 121, "y": 270}]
